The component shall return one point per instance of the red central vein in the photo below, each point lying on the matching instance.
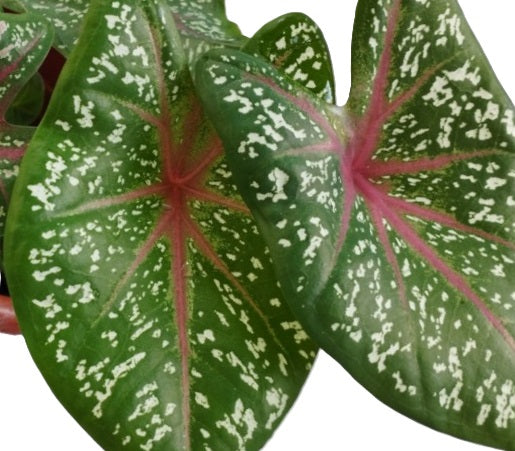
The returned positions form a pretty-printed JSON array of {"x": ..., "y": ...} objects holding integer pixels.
[
  {"x": 194, "y": 119},
  {"x": 177, "y": 236},
  {"x": 378, "y": 100},
  {"x": 171, "y": 171},
  {"x": 369, "y": 130}
]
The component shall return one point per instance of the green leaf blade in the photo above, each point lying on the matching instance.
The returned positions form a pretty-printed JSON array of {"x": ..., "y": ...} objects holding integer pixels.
[
  {"x": 202, "y": 24},
  {"x": 416, "y": 299},
  {"x": 25, "y": 41},
  {"x": 66, "y": 17},
  {"x": 276, "y": 132},
  {"x": 149, "y": 302},
  {"x": 295, "y": 45}
]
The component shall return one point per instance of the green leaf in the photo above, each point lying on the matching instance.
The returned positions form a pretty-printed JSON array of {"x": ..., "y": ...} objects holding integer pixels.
[
  {"x": 398, "y": 211},
  {"x": 27, "y": 105},
  {"x": 65, "y": 15},
  {"x": 295, "y": 45},
  {"x": 142, "y": 287},
  {"x": 202, "y": 23},
  {"x": 24, "y": 43}
]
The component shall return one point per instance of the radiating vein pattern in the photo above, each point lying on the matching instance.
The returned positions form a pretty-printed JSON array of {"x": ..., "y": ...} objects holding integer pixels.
[
  {"x": 163, "y": 324},
  {"x": 398, "y": 210}
]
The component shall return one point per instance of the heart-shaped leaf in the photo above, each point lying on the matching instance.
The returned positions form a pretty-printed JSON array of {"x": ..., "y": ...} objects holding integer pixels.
[
  {"x": 202, "y": 23},
  {"x": 295, "y": 45},
  {"x": 398, "y": 211},
  {"x": 142, "y": 286}
]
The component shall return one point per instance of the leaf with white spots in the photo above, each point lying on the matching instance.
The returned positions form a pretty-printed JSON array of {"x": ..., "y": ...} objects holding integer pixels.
[
  {"x": 398, "y": 210},
  {"x": 65, "y": 15},
  {"x": 202, "y": 23},
  {"x": 24, "y": 43},
  {"x": 294, "y": 44},
  {"x": 143, "y": 289}
]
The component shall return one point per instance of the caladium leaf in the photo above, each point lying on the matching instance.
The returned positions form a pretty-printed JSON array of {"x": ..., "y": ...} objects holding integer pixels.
[
  {"x": 24, "y": 43},
  {"x": 143, "y": 289},
  {"x": 398, "y": 211},
  {"x": 202, "y": 23},
  {"x": 295, "y": 45},
  {"x": 65, "y": 15}
]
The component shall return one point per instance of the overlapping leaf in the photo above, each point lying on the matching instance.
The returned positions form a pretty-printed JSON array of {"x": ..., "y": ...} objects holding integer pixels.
[
  {"x": 202, "y": 24},
  {"x": 295, "y": 45},
  {"x": 24, "y": 43},
  {"x": 143, "y": 289},
  {"x": 399, "y": 211},
  {"x": 65, "y": 15}
]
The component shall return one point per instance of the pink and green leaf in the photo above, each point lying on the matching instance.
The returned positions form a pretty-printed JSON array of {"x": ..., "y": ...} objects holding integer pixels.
[
  {"x": 295, "y": 45},
  {"x": 65, "y": 16},
  {"x": 398, "y": 209},
  {"x": 24, "y": 43},
  {"x": 143, "y": 289},
  {"x": 202, "y": 24}
]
